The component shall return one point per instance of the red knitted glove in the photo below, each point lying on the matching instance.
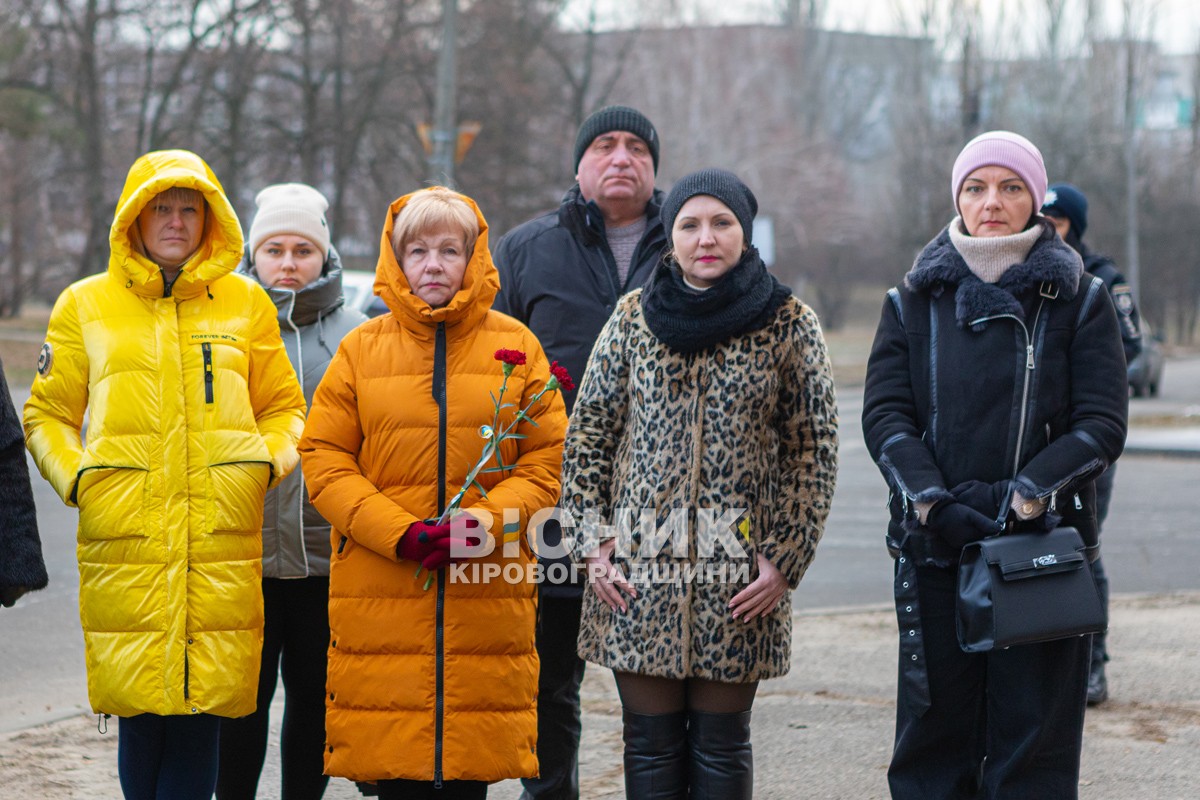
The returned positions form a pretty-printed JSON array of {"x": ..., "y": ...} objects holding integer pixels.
[
  {"x": 422, "y": 543},
  {"x": 430, "y": 545}
]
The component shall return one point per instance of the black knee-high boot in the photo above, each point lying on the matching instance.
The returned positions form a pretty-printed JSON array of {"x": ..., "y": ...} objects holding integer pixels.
[
  {"x": 721, "y": 762},
  {"x": 656, "y": 766}
]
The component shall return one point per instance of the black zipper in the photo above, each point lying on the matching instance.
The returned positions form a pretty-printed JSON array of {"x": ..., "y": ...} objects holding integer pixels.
[
  {"x": 440, "y": 681},
  {"x": 206, "y": 348},
  {"x": 606, "y": 256},
  {"x": 1030, "y": 365},
  {"x": 439, "y": 396}
]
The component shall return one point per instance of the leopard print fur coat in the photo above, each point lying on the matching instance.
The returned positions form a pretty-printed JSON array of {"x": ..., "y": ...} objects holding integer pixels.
[{"x": 747, "y": 424}]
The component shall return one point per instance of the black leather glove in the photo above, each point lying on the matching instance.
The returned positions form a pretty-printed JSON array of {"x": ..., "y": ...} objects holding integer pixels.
[
  {"x": 959, "y": 524},
  {"x": 986, "y": 498}
]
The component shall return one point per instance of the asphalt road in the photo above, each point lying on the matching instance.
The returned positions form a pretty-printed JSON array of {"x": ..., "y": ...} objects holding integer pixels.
[{"x": 1149, "y": 546}]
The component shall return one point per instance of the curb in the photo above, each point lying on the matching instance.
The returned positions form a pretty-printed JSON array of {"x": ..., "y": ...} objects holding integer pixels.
[{"x": 1165, "y": 452}]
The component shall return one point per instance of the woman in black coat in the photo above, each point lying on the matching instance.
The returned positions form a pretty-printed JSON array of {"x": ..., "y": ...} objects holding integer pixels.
[
  {"x": 21, "y": 565},
  {"x": 995, "y": 394}
]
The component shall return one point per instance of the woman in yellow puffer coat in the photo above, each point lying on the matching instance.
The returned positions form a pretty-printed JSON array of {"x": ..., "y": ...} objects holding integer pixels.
[
  {"x": 431, "y": 687},
  {"x": 193, "y": 412}
]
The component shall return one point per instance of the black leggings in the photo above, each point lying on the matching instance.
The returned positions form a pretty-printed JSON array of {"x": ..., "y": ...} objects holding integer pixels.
[
  {"x": 295, "y": 641},
  {"x": 423, "y": 790},
  {"x": 647, "y": 694}
]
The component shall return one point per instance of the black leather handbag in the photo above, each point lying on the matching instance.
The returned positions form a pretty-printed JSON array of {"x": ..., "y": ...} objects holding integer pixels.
[{"x": 1025, "y": 588}]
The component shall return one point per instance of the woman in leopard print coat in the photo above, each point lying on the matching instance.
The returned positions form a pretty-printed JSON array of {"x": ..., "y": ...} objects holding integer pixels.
[{"x": 707, "y": 414}]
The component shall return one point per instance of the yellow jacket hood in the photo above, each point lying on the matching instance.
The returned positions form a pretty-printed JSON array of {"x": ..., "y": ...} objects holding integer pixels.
[
  {"x": 220, "y": 248},
  {"x": 480, "y": 283}
]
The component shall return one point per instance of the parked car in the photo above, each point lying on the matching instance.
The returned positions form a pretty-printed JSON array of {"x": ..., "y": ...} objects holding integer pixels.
[
  {"x": 357, "y": 287},
  {"x": 1145, "y": 371}
]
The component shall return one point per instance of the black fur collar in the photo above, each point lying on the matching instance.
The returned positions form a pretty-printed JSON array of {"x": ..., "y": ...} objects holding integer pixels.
[{"x": 1050, "y": 263}]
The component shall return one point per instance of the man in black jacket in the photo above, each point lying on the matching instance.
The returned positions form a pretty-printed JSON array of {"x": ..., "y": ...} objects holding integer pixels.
[
  {"x": 1067, "y": 207},
  {"x": 562, "y": 274}
]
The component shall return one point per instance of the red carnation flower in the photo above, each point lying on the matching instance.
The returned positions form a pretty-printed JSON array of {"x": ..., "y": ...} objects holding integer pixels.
[
  {"x": 514, "y": 358},
  {"x": 562, "y": 376}
]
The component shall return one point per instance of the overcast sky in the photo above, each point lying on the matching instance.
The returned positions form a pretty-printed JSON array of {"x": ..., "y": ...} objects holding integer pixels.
[{"x": 1175, "y": 24}]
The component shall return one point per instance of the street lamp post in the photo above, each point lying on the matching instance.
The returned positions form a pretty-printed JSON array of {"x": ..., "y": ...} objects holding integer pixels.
[{"x": 445, "y": 134}]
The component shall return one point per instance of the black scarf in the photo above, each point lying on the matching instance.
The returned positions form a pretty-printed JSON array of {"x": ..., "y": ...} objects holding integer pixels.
[{"x": 688, "y": 320}]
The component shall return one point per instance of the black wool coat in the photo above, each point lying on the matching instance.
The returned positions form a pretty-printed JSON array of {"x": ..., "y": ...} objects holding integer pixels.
[
  {"x": 21, "y": 564},
  {"x": 1023, "y": 380}
]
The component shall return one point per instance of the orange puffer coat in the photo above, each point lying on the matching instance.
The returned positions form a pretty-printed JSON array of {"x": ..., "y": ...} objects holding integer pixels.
[{"x": 438, "y": 684}]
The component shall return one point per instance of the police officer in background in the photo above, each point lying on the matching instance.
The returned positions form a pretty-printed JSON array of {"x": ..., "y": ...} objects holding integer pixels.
[{"x": 1067, "y": 207}]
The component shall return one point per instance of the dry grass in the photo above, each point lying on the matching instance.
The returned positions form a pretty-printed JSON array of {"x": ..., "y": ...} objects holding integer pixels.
[
  {"x": 849, "y": 348},
  {"x": 20, "y": 341}
]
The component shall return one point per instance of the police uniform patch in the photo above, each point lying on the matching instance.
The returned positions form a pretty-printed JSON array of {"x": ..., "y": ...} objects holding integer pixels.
[
  {"x": 1123, "y": 299},
  {"x": 45, "y": 359}
]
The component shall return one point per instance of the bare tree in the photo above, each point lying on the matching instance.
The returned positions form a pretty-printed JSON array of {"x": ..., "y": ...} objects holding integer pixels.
[{"x": 589, "y": 77}]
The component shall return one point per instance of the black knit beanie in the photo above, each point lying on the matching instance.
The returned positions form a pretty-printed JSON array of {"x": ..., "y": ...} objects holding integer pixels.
[
  {"x": 1065, "y": 200},
  {"x": 718, "y": 183},
  {"x": 616, "y": 118}
]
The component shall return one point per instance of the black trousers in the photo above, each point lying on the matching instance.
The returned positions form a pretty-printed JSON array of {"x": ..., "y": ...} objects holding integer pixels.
[
  {"x": 1005, "y": 725},
  {"x": 295, "y": 642},
  {"x": 173, "y": 756},
  {"x": 559, "y": 720}
]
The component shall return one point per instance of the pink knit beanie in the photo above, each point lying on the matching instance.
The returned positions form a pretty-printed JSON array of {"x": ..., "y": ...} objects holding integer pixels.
[{"x": 1001, "y": 149}]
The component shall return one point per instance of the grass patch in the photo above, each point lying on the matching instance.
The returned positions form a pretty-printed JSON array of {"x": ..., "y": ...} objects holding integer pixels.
[
  {"x": 21, "y": 340},
  {"x": 20, "y": 360},
  {"x": 849, "y": 348},
  {"x": 34, "y": 317}
]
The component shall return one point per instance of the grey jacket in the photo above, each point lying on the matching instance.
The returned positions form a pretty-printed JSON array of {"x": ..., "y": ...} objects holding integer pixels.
[{"x": 312, "y": 322}]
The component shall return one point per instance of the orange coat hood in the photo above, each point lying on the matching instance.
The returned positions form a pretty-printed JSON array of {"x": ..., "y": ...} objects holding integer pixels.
[{"x": 481, "y": 281}]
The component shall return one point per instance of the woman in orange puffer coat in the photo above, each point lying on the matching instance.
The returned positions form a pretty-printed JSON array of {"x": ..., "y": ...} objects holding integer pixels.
[{"x": 430, "y": 687}]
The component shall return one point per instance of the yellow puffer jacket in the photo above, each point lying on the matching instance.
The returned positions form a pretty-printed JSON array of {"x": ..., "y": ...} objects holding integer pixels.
[
  {"x": 192, "y": 409},
  {"x": 440, "y": 683}
]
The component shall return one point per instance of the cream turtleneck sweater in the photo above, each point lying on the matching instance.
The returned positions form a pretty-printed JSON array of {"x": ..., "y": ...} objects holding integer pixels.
[{"x": 989, "y": 257}]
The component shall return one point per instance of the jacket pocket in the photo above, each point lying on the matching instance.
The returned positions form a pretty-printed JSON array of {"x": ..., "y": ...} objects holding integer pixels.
[
  {"x": 234, "y": 497},
  {"x": 225, "y": 364},
  {"x": 112, "y": 502},
  {"x": 206, "y": 351}
]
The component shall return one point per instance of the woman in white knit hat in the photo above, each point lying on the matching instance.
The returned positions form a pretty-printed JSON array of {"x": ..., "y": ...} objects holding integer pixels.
[{"x": 289, "y": 252}]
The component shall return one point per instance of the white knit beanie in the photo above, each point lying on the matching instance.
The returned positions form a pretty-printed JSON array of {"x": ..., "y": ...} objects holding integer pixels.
[{"x": 294, "y": 208}]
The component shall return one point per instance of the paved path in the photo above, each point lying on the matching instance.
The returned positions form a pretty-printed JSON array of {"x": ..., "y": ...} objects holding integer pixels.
[{"x": 823, "y": 732}]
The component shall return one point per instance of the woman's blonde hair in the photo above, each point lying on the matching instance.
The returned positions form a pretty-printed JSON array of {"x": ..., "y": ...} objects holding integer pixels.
[
  {"x": 431, "y": 210},
  {"x": 183, "y": 194}
]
